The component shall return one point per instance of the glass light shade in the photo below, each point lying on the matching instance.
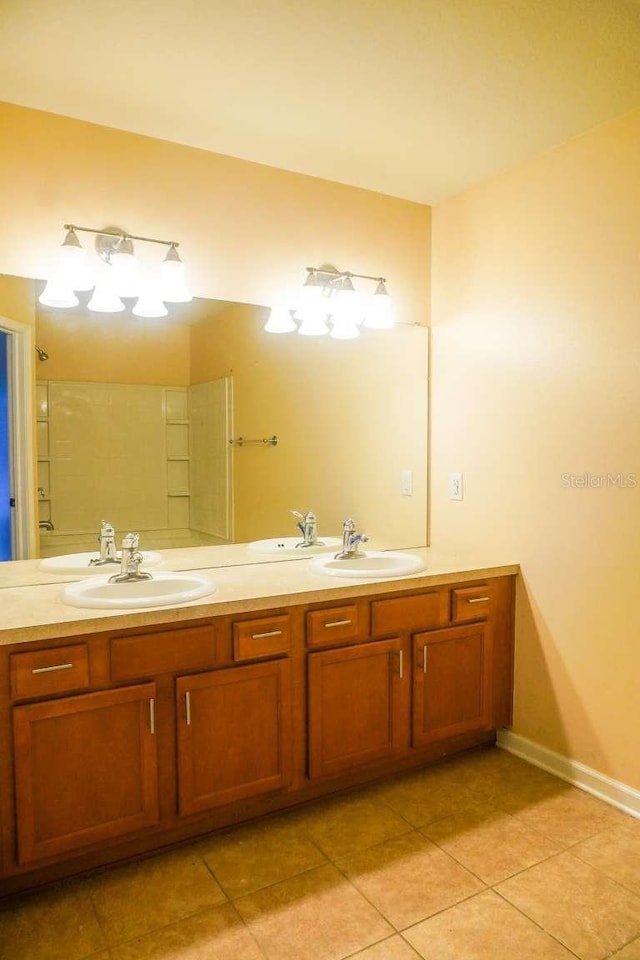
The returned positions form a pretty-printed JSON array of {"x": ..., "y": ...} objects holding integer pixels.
[
  {"x": 280, "y": 321},
  {"x": 344, "y": 330},
  {"x": 124, "y": 274},
  {"x": 379, "y": 314},
  {"x": 72, "y": 268},
  {"x": 149, "y": 305},
  {"x": 174, "y": 286},
  {"x": 314, "y": 324},
  {"x": 57, "y": 294},
  {"x": 104, "y": 299},
  {"x": 310, "y": 295},
  {"x": 346, "y": 303}
]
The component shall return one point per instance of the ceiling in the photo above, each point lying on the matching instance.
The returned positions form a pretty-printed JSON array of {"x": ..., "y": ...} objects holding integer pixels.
[{"x": 415, "y": 98}]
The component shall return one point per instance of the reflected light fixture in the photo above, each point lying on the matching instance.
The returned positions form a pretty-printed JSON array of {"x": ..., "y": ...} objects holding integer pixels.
[
  {"x": 329, "y": 302},
  {"x": 280, "y": 321},
  {"x": 116, "y": 274}
]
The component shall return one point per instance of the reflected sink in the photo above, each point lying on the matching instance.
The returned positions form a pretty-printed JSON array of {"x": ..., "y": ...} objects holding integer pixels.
[
  {"x": 78, "y": 563},
  {"x": 165, "y": 588},
  {"x": 373, "y": 563},
  {"x": 286, "y": 546}
]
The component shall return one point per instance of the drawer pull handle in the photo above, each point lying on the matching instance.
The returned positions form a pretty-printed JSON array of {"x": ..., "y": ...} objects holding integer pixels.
[
  {"x": 338, "y": 623},
  {"x": 424, "y": 659},
  {"x": 53, "y": 669},
  {"x": 152, "y": 715},
  {"x": 270, "y": 633},
  {"x": 187, "y": 707},
  {"x": 401, "y": 664},
  {"x": 478, "y": 599}
]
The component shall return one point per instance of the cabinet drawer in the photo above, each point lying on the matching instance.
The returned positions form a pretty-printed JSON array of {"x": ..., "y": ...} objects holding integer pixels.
[
  {"x": 168, "y": 651},
  {"x": 471, "y": 603},
  {"x": 40, "y": 673},
  {"x": 409, "y": 613},
  {"x": 267, "y": 637},
  {"x": 328, "y": 627}
]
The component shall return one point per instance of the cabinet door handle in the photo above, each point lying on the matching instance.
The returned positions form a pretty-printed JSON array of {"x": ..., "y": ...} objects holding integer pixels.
[
  {"x": 152, "y": 715},
  {"x": 52, "y": 669},
  {"x": 187, "y": 707},
  {"x": 424, "y": 659},
  {"x": 401, "y": 664},
  {"x": 338, "y": 623},
  {"x": 478, "y": 599},
  {"x": 270, "y": 633}
]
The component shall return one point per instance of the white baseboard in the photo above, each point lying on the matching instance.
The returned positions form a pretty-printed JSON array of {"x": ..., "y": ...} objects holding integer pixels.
[{"x": 578, "y": 774}]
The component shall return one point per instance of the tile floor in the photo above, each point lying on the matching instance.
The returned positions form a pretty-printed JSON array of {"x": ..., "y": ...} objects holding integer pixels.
[{"x": 482, "y": 857}]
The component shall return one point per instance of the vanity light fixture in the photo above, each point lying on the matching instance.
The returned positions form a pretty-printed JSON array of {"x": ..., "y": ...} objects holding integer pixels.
[
  {"x": 329, "y": 302},
  {"x": 116, "y": 274}
]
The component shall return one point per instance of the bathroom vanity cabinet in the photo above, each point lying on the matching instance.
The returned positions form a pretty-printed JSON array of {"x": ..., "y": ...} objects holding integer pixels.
[{"x": 120, "y": 742}]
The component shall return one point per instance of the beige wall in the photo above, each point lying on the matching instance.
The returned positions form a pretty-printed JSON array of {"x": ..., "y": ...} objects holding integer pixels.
[
  {"x": 536, "y": 373},
  {"x": 246, "y": 231},
  {"x": 112, "y": 349},
  {"x": 349, "y": 417},
  {"x": 17, "y": 300}
]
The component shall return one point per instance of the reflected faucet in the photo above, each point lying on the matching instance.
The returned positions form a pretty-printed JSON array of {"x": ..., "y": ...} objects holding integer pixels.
[
  {"x": 46, "y": 525},
  {"x": 130, "y": 571},
  {"x": 350, "y": 541},
  {"x": 308, "y": 527},
  {"x": 107, "y": 541}
]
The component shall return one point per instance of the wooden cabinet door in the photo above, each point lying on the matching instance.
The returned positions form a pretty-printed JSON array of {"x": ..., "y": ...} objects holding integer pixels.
[
  {"x": 355, "y": 706},
  {"x": 451, "y": 686},
  {"x": 85, "y": 769},
  {"x": 234, "y": 734}
]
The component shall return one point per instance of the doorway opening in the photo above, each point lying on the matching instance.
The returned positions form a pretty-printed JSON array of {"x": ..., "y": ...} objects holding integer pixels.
[
  {"x": 6, "y": 547},
  {"x": 17, "y": 504}
]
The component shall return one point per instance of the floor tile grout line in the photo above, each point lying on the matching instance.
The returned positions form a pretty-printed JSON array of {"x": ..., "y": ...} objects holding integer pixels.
[
  {"x": 617, "y": 950},
  {"x": 488, "y": 884},
  {"x": 374, "y": 943},
  {"x": 164, "y": 926},
  {"x": 96, "y": 914},
  {"x": 568, "y": 850},
  {"x": 607, "y": 876},
  {"x": 436, "y": 913},
  {"x": 275, "y": 883},
  {"x": 535, "y": 923}
]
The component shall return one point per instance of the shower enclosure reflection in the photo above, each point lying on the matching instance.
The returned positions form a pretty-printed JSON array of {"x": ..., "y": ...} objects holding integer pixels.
[{"x": 155, "y": 458}]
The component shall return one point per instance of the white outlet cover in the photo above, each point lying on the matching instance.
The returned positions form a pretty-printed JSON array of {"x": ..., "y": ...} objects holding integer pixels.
[{"x": 455, "y": 486}]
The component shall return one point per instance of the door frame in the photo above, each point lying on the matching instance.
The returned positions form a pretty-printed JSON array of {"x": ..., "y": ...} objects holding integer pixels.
[{"x": 20, "y": 370}]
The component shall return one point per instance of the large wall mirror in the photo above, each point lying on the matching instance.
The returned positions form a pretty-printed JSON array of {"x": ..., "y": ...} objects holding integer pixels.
[{"x": 135, "y": 420}]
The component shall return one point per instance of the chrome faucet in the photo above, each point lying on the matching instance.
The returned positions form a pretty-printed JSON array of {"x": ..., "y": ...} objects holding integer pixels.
[
  {"x": 350, "y": 541},
  {"x": 107, "y": 541},
  {"x": 308, "y": 527},
  {"x": 130, "y": 570},
  {"x": 45, "y": 525}
]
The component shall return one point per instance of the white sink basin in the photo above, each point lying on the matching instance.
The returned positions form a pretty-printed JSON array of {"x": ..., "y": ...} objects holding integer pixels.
[
  {"x": 286, "y": 546},
  {"x": 164, "y": 588},
  {"x": 373, "y": 563},
  {"x": 78, "y": 563}
]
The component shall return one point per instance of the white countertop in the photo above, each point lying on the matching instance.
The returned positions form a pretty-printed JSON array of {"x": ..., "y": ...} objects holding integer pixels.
[{"x": 31, "y": 606}]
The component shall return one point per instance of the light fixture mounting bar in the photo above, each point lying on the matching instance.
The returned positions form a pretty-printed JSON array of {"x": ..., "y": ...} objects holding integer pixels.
[
  {"x": 121, "y": 233},
  {"x": 336, "y": 274}
]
